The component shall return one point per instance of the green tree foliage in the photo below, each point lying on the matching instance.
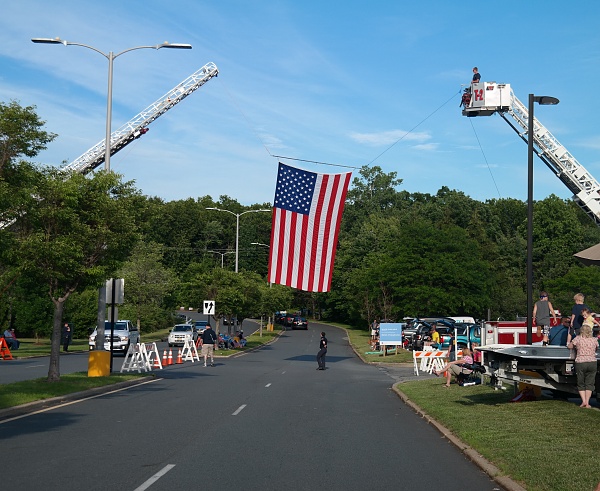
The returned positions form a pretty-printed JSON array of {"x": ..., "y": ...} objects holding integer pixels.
[
  {"x": 75, "y": 236},
  {"x": 147, "y": 283}
]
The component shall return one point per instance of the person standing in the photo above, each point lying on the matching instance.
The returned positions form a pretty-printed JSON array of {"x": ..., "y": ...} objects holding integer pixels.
[
  {"x": 585, "y": 361},
  {"x": 435, "y": 337},
  {"x": 322, "y": 352},
  {"x": 576, "y": 317},
  {"x": 66, "y": 336},
  {"x": 476, "y": 75},
  {"x": 542, "y": 310},
  {"x": 208, "y": 344}
]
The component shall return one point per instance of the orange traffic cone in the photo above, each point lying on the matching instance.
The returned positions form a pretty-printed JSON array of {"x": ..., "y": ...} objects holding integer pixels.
[
  {"x": 165, "y": 360},
  {"x": 157, "y": 363},
  {"x": 179, "y": 360},
  {"x": 170, "y": 362}
]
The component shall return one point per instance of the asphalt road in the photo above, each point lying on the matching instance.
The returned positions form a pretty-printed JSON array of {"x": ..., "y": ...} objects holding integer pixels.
[{"x": 267, "y": 420}]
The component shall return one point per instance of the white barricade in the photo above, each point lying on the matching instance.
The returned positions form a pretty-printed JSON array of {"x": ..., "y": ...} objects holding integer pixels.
[
  {"x": 153, "y": 356},
  {"x": 431, "y": 359},
  {"x": 136, "y": 359},
  {"x": 189, "y": 352}
]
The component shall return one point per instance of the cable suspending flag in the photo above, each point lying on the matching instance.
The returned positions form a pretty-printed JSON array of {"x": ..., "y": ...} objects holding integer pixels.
[{"x": 306, "y": 220}]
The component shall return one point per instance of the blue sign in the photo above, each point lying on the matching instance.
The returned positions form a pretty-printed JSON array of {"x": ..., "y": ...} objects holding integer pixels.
[{"x": 390, "y": 334}]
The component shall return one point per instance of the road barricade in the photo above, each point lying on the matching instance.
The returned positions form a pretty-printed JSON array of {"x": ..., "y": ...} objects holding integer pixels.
[
  {"x": 430, "y": 360},
  {"x": 190, "y": 352},
  {"x": 153, "y": 356},
  {"x": 136, "y": 359}
]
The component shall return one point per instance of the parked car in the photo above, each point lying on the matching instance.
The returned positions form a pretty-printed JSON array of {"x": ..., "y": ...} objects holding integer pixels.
[
  {"x": 288, "y": 319},
  {"x": 417, "y": 328},
  {"x": 200, "y": 326},
  {"x": 182, "y": 333},
  {"x": 125, "y": 333},
  {"x": 299, "y": 323}
]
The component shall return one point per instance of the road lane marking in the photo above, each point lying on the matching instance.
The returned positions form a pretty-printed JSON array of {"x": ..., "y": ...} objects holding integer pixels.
[
  {"x": 239, "y": 410},
  {"x": 77, "y": 401},
  {"x": 35, "y": 366},
  {"x": 268, "y": 385},
  {"x": 155, "y": 477}
]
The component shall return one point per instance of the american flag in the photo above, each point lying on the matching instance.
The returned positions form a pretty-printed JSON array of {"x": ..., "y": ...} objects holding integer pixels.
[{"x": 306, "y": 219}]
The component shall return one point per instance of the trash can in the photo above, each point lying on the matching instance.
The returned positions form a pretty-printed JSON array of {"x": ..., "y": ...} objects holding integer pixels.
[{"x": 99, "y": 364}]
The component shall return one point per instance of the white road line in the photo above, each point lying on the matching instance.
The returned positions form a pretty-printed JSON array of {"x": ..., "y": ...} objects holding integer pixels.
[
  {"x": 239, "y": 410},
  {"x": 35, "y": 366},
  {"x": 155, "y": 477},
  {"x": 268, "y": 385},
  {"x": 77, "y": 401},
  {"x": 282, "y": 372}
]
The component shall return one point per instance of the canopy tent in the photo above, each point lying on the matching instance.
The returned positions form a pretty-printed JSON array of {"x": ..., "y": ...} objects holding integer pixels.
[{"x": 590, "y": 256}]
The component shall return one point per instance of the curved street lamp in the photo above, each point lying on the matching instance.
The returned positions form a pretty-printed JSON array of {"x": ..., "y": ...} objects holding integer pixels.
[
  {"x": 222, "y": 254},
  {"x": 237, "y": 227},
  {"x": 543, "y": 100},
  {"x": 110, "y": 57}
]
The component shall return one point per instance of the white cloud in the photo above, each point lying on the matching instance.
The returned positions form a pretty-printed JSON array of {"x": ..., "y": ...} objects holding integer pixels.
[
  {"x": 388, "y": 137},
  {"x": 429, "y": 147}
]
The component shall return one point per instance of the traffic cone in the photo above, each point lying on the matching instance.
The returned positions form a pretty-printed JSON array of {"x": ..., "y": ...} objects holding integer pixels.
[
  {"x": 170, "y": 360},
  {"x": 179, "y": 360},
  {"x": 165, "y": 360},
  {"x": 157, "y": 362}
]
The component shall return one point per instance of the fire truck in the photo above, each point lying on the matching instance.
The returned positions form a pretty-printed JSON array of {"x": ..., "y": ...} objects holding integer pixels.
[{"x": 506, "y": 356}]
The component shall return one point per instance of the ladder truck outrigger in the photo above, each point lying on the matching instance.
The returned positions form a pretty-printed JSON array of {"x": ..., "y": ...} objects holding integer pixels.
[
  {"x": 549, "y": 367},
  {"x": 138, "y": 125}
]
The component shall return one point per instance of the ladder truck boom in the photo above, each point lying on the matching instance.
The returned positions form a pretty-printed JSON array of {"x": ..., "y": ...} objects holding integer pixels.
[
  {"x": 488, "y": 98},
  {"x": 137, "y": 126}
]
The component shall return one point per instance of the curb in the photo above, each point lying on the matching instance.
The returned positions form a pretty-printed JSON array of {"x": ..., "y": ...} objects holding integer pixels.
[
  {"x": 475, "y": 457},
  {"x": 30, "y": 407}
]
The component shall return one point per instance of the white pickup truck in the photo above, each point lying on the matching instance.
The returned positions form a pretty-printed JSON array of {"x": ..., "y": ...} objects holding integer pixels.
[{"x": 124, "y": 334}]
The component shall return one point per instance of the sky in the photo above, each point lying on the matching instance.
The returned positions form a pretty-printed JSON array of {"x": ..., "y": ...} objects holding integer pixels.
[{"x": 350, "y": 83}]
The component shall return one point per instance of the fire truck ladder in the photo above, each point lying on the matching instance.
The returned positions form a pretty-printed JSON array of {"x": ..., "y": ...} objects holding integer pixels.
[
  {"x": 137, "y": 126},
  {"x": 585, "y": 189}
]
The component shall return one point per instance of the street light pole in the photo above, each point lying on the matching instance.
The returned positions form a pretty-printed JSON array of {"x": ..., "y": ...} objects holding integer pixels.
[
  {"x": 268, "y": 247},
  {"x": 110, "y": 57},
  {"x": 222, "y": 254},
  {"x": 237, "y": 228},
  {"x": 542, "y": 100}
]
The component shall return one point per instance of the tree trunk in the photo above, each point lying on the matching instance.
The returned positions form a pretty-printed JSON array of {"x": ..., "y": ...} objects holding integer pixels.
[{"x": 54, "y": 369}]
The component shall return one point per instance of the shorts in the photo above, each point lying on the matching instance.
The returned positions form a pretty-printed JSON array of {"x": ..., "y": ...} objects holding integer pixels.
[
  {"x": 457, "y": 370},
  {"x": 207, "y": 350}
]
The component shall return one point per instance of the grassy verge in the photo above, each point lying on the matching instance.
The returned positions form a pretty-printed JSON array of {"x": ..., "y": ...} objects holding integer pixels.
[
  {"x": 545, "y": 444},
  {"x": 41, "y": 347},
  {"x": 19, "y": 393},
  {"x": 359, "y": 338}
]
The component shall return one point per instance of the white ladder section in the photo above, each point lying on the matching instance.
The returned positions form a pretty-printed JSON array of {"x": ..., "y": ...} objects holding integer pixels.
[
  {"x": 136, "y": 127},
  {"x": 585, "y": 189}
]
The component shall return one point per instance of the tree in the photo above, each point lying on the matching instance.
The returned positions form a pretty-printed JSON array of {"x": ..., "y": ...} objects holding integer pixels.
[
  {"x": 147, "y": 283},
  {"x": 76, "y": 235},
  {"x": 21, "y": 134}
]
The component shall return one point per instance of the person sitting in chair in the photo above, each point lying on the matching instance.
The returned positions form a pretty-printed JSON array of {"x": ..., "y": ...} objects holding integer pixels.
[{"x": 457, "y": 367}]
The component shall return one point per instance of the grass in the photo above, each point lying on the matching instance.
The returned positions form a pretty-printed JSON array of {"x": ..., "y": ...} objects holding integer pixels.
[
  {"x": 41, "y": 347},
  {"x": 27, "y": 391},
  {"x": 545, "y": 444},
  {"x": 359, "y": 338}
]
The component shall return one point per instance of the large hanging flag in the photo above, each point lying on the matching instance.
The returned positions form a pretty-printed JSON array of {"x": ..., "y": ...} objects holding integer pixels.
[{"x": 306, "y": 220}]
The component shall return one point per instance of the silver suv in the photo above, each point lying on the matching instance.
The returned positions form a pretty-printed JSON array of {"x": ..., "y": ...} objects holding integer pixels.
[{"x": 124, "y": 334}]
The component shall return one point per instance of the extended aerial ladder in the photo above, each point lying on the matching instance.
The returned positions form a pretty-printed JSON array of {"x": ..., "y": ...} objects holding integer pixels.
[
  {"x": 488, "y": 98},
  {"x": 137, "y": 126}
]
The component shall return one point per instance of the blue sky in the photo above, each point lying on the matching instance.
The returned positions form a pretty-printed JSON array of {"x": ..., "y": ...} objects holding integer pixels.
[{"x": 316, "y": 80}]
